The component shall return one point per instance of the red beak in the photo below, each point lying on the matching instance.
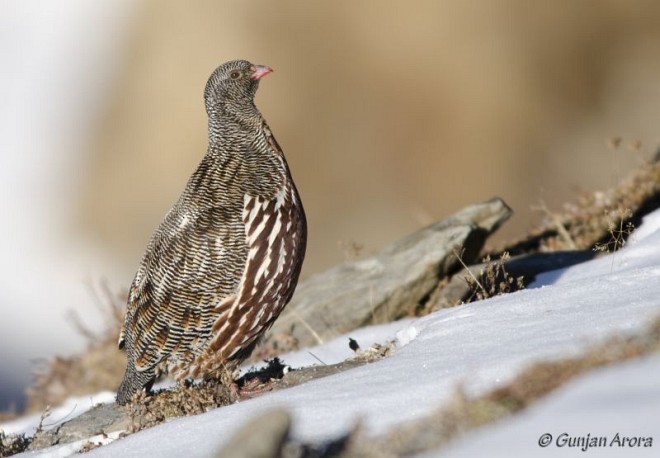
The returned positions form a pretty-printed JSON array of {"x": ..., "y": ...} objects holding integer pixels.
[{"x": 259, "y": 71}]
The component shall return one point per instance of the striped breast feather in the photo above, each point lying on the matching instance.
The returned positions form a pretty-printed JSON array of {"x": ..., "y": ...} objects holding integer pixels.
[{"x": 271, "y": 271}]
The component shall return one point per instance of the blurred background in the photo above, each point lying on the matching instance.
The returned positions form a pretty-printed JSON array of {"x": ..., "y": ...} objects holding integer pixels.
[{"x": 391, "y": 116}]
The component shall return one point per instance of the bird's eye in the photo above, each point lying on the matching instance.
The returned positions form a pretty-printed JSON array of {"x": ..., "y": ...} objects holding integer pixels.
[{"x": 235, "y": 75}]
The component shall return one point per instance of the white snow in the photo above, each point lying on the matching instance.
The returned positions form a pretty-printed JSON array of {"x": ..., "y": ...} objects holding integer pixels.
[
  {"x": 476, "y": 347},
  {"x": 623, "y": 400}
]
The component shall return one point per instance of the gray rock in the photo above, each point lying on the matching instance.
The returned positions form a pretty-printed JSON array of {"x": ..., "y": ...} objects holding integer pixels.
[
  {"x": 379, "y": 288},
  {"x": 102, "y": 419},
  {"x": 262, "y": 437}
]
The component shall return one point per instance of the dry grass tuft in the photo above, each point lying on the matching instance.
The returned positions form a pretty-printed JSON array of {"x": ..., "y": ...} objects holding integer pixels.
[
  {"x": 149, "y": 410},
  {"x": 12, "y": 444},
  {"x": 100, "y": 368},
  {"x": 373, "y": 353},
  {"x": 598, "y": 220},
  {"x": 494, "y": 280},
  {"x": 89, "y": 446}
]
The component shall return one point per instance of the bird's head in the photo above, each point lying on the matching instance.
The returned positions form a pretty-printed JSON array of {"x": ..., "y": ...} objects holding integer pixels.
[{"x": 234, "y": 83}]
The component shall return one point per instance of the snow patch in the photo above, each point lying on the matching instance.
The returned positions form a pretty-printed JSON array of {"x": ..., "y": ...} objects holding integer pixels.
[
  {"x": 623, "y": 399},
  {"x": 406, "y": 335}
]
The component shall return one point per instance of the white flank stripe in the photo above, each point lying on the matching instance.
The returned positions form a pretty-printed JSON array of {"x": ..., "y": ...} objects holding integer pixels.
[
  {"x": 255, "y": 208},
  {"x": 242, "y": 321},
  {"x": 223, "y": 327},
  {"x": 265, "y": 291},
  {"x": 256, "y": 320},
  {"x": 263, "y": 269},
  {"x": 276, "y": 229},
  {"x": 280, "y": 198},
  {"x": 257, "y": 231},
  {"x": 253, "y": 214},
  {"x": 281, "y": 259}
]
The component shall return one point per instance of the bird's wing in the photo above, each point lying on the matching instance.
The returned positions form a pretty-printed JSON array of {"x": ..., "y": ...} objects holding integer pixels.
[
  {"x": 275, "y": 234},
  {"x": 193, "y": 263}
]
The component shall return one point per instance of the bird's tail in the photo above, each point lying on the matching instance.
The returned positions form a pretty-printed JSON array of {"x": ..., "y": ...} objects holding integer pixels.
[{"x": 133, "y": 382}]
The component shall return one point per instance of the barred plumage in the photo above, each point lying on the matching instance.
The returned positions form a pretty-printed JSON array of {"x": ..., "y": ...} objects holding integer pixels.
[{"x": 226, "y": 259}]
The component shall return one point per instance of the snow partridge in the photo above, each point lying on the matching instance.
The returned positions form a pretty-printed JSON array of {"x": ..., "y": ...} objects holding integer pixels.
[{"x": 225, "y": 261}]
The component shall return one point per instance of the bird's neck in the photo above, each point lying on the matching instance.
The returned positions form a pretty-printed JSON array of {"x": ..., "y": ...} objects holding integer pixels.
[{"x": 229, "y": 123}]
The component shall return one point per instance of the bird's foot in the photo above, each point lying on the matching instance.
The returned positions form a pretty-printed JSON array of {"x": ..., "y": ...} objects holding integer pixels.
[{"x": 248, "y": 389}]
